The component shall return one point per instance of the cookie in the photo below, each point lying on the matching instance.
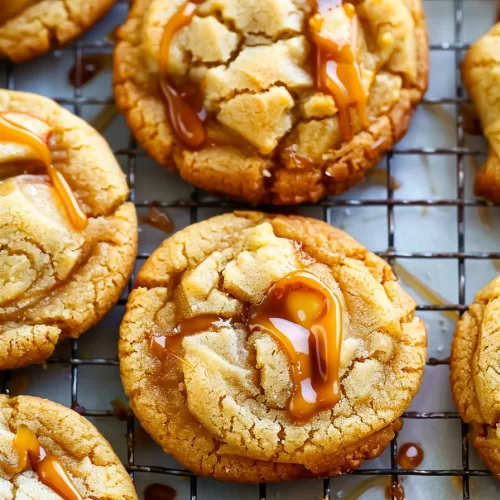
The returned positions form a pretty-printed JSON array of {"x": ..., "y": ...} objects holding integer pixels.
[
  {"x": 474, "y": 379},
  {"x": 270, "y": 101},
  {"x": 268, "y": 347},
  {"x": 88, "y": 469},
  {"x": 69, "y": 239},
  {"x": 480, "y": 74},
  {"x": 29, "y": 28}
]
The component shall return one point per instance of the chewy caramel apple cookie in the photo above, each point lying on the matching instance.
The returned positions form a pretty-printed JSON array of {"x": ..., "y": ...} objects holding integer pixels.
[
  {"x": 481, "y": 74},
  {"x": 49, "y": 452},
  {"x": 266, "y": 348},
  {"x": 274, "y": 101},
  {"x": 29, "y": 28},
  {"x": 475, "y": 383},
  {"x": 68, "y": 239}
]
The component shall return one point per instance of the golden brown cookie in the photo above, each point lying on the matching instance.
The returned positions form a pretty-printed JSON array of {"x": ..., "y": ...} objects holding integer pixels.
[
  {"x": 481, "y": 69},
  {"x": 475, "y": 384},
  {"x": 217, "y": 391},
  {"x": 270, "y": 136},
  {"x": 29, "y": 28},
  {"x": 88, "y": 460},
  {"x": 63, "y": 263}
]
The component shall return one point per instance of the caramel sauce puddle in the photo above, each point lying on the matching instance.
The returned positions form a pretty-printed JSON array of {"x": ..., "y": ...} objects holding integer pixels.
[
  {"x": 305, "y": 318},
  {"x": 158, "y": 491},
  {"x": 12, "y": 132},
  {"x": 91, "y": 65},
  {"x": 49, "y": 469},
  {"x": 336, "y": 69},
  {"x": 410, "y": 455},
  {"x": 159, "y": 219}
]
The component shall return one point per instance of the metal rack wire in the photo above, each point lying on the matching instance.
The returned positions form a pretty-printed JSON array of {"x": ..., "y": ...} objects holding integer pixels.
[{"x": 195, "y": 202}]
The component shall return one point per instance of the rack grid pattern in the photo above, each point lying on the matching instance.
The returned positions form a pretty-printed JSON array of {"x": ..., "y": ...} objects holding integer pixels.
[{"x": 195, "y": 202}]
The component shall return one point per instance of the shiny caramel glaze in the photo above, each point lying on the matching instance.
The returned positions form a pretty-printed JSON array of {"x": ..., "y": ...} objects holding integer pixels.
[
  {"x": 186, "y": 123},
  {"x": 410, "y": 455},
  {"x": 303, "y": 315},
  {"x": 13, "y": 132},
  {"x": 49, "y": 469},
  {"x": 336, "y": 69},
  {"x": 159, "y": 219}
]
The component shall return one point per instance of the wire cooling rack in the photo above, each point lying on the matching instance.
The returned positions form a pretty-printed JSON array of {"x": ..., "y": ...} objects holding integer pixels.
[{"x": 197, "y": 201}]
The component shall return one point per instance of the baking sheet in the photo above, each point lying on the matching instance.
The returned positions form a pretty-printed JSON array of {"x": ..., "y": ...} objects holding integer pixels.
[{"x": 417, "y": 228}]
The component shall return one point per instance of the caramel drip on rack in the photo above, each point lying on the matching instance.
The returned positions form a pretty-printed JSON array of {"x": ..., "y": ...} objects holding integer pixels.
[
  {"x": 12, "y": 132},
  {"x": 410, "y": 455},
  {"x": 186, "y": 123},
  {"x": 396, "y": 491},
  {"x": 158, "y": 491},
  {"x": 303, "y": 315},
  {"x": 336, "y": 70},
  {"x": 49, "y": 469},
  {"x": 159, "y": 219}
]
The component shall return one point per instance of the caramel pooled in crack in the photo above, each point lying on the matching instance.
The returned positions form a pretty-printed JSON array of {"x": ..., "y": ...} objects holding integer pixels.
[
  {"x": 337, "y": 72},
  {"x": 164, "y": 344},
  {"x": 302, "y": 314},
  {"x": 187, "y": 125},
  {"x": 13, "y": 132},
  {"x": 49, "y": 469}
]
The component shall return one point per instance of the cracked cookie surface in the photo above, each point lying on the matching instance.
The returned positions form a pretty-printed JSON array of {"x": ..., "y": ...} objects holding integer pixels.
[
  {"x": 474, "y": 362},
  {"x": 221, "y": 407},
  {"x": 29, "y": 28},
  {"x": 481, "y": 74},
  {"x": 87, "y": 457},
  {"x": 273, "y": 138},
  {"x": 55, "y": 281}
]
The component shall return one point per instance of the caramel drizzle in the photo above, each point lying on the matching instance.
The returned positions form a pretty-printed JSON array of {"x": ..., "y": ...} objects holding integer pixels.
[
  {"x": 305, "y": 317},
  {"x": 13, "y": 132},
  {"x": 49, "y": 469},
  {"x": 167, "y": 344},
  {"x": 186, "y": 123},
  {"x": 336, "y": 70}
]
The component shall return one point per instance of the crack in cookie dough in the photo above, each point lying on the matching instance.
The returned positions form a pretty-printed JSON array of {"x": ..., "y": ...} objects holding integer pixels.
[
  {"x": 481, "y": 70},
  {"x": 260, "y": 96},
  {"x": 88, "y": 458},
  {"x": 474, "y": 373},
  {"x": 57, "y": 282},
  {"x": 29, "y": 28},
  {"x": 221, "y": 409}
]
